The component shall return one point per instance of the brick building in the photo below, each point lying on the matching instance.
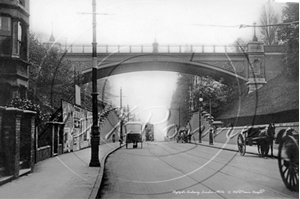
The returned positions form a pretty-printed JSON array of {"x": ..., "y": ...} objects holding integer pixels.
[{"x": 14, "y": 27}]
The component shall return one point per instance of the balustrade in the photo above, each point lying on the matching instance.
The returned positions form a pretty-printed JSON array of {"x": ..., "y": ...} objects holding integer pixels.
[{"x": 74, "y": 48}]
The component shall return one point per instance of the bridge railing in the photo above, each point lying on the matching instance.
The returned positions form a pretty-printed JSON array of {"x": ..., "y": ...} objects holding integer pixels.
[{"x": 76, "y": 48}]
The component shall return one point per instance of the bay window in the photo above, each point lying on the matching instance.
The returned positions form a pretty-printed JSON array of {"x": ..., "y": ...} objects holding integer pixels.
[
  {"x": 13, "y": 38},
  {"x": 5, "y": 35}
]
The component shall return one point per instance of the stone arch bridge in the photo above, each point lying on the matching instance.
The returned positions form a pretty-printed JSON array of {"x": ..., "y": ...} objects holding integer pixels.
[{"x": 254, "y": 66}]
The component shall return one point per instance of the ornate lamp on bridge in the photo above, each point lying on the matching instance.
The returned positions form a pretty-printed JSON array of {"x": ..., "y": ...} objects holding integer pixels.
[
  {"x": 200, "y": 110},
  {"x": 95, "y": 138}
]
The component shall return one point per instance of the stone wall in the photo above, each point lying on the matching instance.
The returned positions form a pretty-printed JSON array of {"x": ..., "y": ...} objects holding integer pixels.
[{"x": 43, "y": 153}]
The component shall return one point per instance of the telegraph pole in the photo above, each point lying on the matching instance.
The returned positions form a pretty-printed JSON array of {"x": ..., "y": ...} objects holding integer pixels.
[
  {"x": 179, "y": 117},
  {"x": 95, "y": 139},
  {"x": 121, "y": 121},
  {"x": 200, "y": 113}
]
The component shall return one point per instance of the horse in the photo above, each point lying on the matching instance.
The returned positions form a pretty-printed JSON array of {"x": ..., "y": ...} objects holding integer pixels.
[
  {"x": 265, "y": 142},
  {"x": 183, "y": 135}
]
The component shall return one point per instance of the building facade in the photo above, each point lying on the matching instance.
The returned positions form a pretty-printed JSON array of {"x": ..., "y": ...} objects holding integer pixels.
[{"x": 14, "y": 65}]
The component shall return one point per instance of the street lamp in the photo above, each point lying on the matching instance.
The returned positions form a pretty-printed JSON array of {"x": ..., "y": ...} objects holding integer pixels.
[
  {"x": 95, "y": 138},
  {"x": 200, "y": 109}
]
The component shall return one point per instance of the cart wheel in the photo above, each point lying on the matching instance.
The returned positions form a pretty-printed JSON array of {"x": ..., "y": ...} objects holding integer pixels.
[
  {"x": 288, "y": 162},
  {"x": 241, "y": 145},
  {"x": 141, "y": 145}
]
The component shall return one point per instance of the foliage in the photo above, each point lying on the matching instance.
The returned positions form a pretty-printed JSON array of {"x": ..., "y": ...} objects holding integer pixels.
[
  {"x": 104, "y": 88},
  {"x": 50, "y": 77},
  {"x": 181, "y": 97},
  {"x": 268, "y": 16},
  {"x": 26, "y": 104},
  {"x": 289, "y": 35},
  {"x": 240, "y": 45},
  {"x": 214, "y": 93}
]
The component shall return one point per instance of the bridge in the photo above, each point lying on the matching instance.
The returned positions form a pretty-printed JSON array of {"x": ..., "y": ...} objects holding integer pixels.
[{"x": 254, "y": 66}]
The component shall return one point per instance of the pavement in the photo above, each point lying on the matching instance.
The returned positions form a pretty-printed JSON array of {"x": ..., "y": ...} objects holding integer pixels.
[
  {"x": 69, "y": 175},
  {"x": 64, "y": 176}
]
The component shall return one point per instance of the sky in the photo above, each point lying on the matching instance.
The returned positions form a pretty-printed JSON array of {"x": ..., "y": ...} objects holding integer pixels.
[{"x": 140, "y": 22}]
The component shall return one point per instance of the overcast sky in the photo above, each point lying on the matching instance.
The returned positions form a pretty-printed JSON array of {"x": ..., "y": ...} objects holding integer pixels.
[{"x": 141, "y": 21}]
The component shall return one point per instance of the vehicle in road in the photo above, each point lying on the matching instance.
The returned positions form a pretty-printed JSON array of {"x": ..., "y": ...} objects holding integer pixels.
[
  {"x": 288, "y": 158},
  {"x": 261, "y": 136},
  {"x": 183, "y": 135},
  {"x": 133, "y": 132},
  {"x": 149, "y": 132}
]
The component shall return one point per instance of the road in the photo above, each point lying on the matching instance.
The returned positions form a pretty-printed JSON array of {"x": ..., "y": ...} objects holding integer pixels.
[{"x": 178, "y": 170}]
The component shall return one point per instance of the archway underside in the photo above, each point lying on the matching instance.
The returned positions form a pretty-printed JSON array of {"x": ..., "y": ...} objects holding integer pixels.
[{"x": 199, "y": 69}]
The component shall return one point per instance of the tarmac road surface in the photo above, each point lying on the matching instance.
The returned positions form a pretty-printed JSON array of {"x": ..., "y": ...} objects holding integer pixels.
[{"x": 181, "y": 170}]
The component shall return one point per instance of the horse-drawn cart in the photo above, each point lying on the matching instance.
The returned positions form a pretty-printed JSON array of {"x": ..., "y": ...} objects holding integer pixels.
[
  {"x": 288, "y": 158},
  {"x": 183, "y": 135},
  {"x": 133, "y": 132},
  {"x": 260, "y": 136}
]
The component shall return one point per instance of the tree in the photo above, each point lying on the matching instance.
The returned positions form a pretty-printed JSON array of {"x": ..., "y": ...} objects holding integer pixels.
[
  {"x": 289, "y": 36},
  {"x": 240, "y": 45},
  {"x": 189, "y": 88},
  {"x": 181, "y": 97},
  {"x": 50, "y": 76},
  {"x": 214, "y": 93},
  {"x": 104, "y": 88},
  {"x": 267, "y": 17}
]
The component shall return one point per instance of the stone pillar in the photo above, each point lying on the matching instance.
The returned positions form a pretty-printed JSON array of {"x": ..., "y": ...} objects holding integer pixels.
[
  {"x": 11, "y": 128},
  {"x": 55, "y": 137},
  {"x": 2, "y": 159},
  {"x": 36, "y": 142},
  {"x": 57, "y": 134},
  {"x": 52, "y": 139},
  {"x": 31, "y": 115},
  {"x": 60, "y": 134},
  {"x": 155, "y": 47},
  {"x": 256, "y": 66}
]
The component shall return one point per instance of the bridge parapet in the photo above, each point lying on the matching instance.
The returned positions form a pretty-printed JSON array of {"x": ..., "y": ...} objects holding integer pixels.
[
  {"x": 165, "y": 48},
  {"x": 256, "y": 64}
]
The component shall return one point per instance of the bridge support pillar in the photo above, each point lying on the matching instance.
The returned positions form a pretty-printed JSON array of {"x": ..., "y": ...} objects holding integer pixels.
[{"x": 256, "y": 66}]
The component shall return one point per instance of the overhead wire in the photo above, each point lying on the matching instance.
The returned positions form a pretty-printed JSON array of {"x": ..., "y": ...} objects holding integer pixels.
[{"x": 246, "y": 26}]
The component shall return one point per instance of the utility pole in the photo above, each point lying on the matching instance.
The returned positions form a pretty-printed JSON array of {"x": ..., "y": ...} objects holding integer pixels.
[
  {"x": 95, "y": 138},
  {"x": 210, "y": 106},
  {"x": 200, "y": 112},
  {"x": 121, "y": 121},
  {"x": 254, "y": 34},
  {"x": 179, "y": 117}
]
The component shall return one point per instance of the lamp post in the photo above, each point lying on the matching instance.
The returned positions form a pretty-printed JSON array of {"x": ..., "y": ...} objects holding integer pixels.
[
  {"x": 95, "y": 138},
  {"x": 200, "y": 109},
  {"x": 254, "y": 35},
  {"x": 179, "y": 116}
]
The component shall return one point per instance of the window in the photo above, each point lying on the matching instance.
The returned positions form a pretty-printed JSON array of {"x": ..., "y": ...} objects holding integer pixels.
[
  {"x": 5, "y": 23},
  {"x": 5, "y": 35},
  {"x": 19, "y": 40},
  {"x": 15, "y": 38}
]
